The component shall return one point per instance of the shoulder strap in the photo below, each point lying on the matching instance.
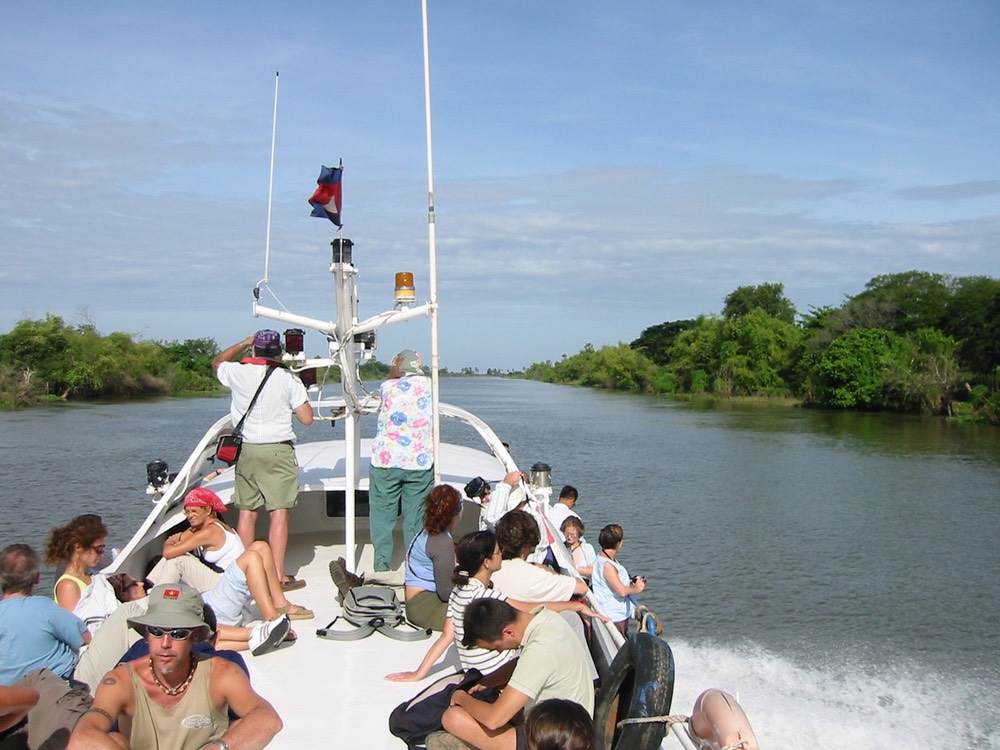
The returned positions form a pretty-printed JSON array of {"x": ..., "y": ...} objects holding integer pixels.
[
  {"x": 393, "y": 631},
  {"x": 354, "y": 634},
  {"x": 239, "y": 425}
]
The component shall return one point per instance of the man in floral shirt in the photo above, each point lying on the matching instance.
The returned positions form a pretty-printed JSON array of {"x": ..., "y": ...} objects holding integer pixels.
[{"x": 402, "y": 463}]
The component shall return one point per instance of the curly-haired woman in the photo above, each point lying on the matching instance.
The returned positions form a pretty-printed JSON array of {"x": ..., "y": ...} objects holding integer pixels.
[
  {"x": 79, "y": 545},
  {"x": 430, "y": 561}
]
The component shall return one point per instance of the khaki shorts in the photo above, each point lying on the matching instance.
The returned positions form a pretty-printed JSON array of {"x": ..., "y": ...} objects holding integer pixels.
[{"x": 267, "y": 476}]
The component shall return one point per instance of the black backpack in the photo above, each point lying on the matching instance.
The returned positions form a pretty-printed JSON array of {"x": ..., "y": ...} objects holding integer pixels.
[{"x": 420, "y": 716}]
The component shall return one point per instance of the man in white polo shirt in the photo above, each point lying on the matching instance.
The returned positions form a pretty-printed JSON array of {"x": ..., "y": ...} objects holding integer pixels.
[{"x": 267, "y": 474}]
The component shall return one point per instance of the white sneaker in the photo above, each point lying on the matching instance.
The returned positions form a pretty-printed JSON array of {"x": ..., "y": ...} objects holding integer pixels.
[{"x": 268, "y": 635}]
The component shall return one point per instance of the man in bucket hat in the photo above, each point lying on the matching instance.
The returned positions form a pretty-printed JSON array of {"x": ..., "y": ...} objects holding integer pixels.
[
  {"x": 173, "y": 697},
  {"x": 267, "y": 474}
]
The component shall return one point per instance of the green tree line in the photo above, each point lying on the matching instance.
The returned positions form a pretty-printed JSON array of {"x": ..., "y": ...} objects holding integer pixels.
[
  {"x": 912, "y": 342},
  {"x": 47, "y": 358}
]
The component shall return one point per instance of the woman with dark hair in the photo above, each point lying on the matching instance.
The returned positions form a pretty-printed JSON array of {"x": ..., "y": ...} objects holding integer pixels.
[
  {"x": 430, "y": 561},
  {"x": 558, "y": 724},
  {"x": 478, "y": 559},
  {"x": 518, "y": 535},
  {"x": 614, "y": 590},
  {"x": 80, "y": 546}
]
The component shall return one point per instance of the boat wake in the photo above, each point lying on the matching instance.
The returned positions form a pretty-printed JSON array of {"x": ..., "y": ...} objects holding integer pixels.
[{"x": 792, "y": 706}]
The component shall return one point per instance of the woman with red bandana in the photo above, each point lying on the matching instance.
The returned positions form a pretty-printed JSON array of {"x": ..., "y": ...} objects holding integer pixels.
[{"x": 246, "y": 572}]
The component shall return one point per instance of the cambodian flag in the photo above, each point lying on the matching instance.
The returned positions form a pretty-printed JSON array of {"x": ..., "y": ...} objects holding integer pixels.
[{"x": 326, "y": 200}]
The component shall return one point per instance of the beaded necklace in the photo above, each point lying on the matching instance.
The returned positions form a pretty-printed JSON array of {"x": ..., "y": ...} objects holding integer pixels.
[{"x": 169, "y": 690}]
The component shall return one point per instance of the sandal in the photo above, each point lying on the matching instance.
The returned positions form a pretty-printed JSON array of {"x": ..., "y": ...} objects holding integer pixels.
[
  {"x": 296, "y": 612},
  {"x": 291, "y": 583}
]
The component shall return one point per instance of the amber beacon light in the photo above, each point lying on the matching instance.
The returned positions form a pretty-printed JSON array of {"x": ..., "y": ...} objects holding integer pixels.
[{"x": 406, "y": 295}]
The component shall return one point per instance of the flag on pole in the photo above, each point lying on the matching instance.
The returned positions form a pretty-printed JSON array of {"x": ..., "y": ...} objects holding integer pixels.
[{"x": 326, "y": 200}]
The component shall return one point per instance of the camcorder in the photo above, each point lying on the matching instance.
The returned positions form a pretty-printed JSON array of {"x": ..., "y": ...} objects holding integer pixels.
[{"x": 477, "y": 487}]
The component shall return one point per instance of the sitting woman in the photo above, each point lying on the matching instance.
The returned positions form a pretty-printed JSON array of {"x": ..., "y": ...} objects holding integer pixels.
[
  {"x": 246, "y": 572},
  {"x": 582, "y": 552},
  {"x": 518, "y": 536},
  {"x": 430, "y": 561},
  {"x": 478, "y": 558},
  {"x": 79, "y": 545},
  {"x": 613, "y": 589}
]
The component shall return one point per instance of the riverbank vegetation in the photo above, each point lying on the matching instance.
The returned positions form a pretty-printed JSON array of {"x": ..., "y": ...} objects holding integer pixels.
[
  {"x": 50, "y": 360},
  {"x": 912, "y": 342}
]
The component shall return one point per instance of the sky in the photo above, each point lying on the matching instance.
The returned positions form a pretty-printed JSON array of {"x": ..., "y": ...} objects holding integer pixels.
[{"x": 599, "y": 168}]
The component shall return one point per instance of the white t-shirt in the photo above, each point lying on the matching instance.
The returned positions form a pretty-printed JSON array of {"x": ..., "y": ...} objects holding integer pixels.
[
  {"x": 270, "y": 421},
  {"x": 525, "y": 582},
  {"x": 559, "y": 512}
]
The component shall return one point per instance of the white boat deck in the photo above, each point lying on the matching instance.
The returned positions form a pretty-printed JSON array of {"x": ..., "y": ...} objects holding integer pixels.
[{"x": 332, "y": 693}]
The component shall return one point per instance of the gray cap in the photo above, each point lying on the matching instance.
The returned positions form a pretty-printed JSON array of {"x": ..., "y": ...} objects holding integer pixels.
[{"x": 408, "y": 362}]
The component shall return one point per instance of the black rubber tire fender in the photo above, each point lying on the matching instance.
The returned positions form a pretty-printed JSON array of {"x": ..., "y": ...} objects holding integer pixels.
[{"x": 640, "y": 684}]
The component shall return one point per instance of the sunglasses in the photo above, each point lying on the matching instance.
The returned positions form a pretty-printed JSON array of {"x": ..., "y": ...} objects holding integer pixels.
[
  {"x": 99, "y": 548},
  {"x": 177, "y": 634}
]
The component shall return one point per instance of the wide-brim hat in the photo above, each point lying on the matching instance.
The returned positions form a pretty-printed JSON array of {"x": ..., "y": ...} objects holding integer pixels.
[
  {"x": 172, "y": 605},
  {"x": 409, "y": 362}
]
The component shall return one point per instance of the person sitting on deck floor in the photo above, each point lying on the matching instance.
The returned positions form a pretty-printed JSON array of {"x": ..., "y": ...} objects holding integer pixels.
[
  {"x": 552, "y": 665},
  {"x": 115, "y": 638},
  {"x": 138, "y": 703},
  {"x": 246, "y": 571},
  {"x": 614, "y": 589},
  {"x": 430, "y": 560},
  {"x": 38, "y": 652},
  {"x": 478, "y": 552},
  {"x": 580, "y": 550},
  {"x": 79, "y": 545},
  {"x": 518, "y": 536}
]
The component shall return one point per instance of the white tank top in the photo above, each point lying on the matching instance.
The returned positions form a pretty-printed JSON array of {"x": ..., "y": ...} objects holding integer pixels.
[{"x": 226, "y": 555}]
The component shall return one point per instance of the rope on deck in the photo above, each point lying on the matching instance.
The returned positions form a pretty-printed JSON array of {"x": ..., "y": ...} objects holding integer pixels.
[{"x": 668, "y": 720}]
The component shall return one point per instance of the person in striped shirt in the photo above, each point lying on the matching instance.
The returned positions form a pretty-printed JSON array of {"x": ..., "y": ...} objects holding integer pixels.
[{"x": 478, "y": 557}]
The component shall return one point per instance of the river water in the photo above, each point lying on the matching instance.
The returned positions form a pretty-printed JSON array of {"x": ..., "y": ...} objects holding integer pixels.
[{"x": 834, "y": 571}]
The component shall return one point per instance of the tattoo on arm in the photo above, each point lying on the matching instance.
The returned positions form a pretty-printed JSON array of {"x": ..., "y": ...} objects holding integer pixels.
[
  {"x": 111, "y": 719},
  {"x": 109, "y": 681}
]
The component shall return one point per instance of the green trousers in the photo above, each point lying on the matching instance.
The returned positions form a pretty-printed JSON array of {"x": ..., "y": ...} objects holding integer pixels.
[{"x": 391, "y": 492}]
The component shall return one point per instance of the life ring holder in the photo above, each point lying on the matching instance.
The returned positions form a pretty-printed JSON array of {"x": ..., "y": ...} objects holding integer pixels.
[{"x": 635, "y": 688}]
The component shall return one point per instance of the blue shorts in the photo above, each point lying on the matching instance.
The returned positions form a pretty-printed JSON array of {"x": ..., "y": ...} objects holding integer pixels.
[{"x": 229, "y": 596}]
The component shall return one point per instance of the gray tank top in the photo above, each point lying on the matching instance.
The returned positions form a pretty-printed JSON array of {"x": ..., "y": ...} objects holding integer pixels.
[{"x": 189, "y": 725}]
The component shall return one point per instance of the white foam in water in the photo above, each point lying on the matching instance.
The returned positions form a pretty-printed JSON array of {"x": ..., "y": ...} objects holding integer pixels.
[{"x": 794, "y": 706}]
